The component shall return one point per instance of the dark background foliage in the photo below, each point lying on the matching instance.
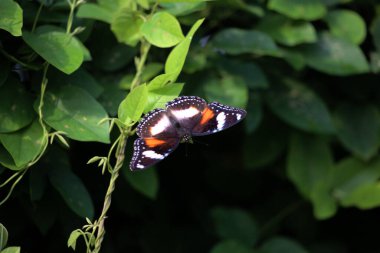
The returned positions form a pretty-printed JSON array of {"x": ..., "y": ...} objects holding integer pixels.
[{"x": 299, "y": 174}]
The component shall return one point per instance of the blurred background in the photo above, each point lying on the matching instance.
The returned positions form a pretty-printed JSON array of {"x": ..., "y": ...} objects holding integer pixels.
[{"x": 299, "y": 175}]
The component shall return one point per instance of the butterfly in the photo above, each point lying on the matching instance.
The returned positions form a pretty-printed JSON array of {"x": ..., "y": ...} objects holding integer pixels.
[{"x": 161, "y": 130}]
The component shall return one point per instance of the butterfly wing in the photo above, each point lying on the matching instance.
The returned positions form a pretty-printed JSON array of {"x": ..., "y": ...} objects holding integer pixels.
[
  {"x": 158, "y": 138},
  {"x": 186, "y": 110},
  {"x": 149, "y": 151},
  {"x": 217, "y": 117}
]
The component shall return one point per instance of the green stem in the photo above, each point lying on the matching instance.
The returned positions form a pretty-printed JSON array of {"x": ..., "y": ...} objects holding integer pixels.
[
  {"x": 73, "y": 4},
  {"x": 120, "y": 156},
  {"x": 37, "y": 17},
  {"x": 144, "y": 50}
]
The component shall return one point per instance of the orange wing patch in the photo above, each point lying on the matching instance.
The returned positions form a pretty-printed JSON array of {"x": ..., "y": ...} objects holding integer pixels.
[
  {"x": 152, "y": 142},
  {"x": 207, "y": 114}
]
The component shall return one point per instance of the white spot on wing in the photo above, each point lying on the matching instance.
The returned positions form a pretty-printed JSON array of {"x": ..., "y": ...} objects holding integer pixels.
[
  {"x": 185, "y": 113},
  {"x": 160, "y": 126},
  {"x": 221, "y": 119},
  {"x": 152, "y": 154},
  {"x": 140, "y": 166},
  {"x": 238, "y": 116}
]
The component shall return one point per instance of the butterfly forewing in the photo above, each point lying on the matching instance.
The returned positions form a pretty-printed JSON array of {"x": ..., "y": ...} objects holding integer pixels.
[
  {"x": 217, "y": 117},
  {"x": 186, "y": 110},
  {"x": 156, "y": 124}
]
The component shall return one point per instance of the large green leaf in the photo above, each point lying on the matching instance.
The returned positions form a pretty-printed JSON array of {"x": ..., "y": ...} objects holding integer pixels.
[
  {"x": 94, "y": 11},
  {"x": 126, "y": 26},
  {"x": 250, "y": 72},
  {"x": 3, "y": 237},
  {"x": 230, "y": 246},
  {"x": 235, "y": 224},
  {"x": 75, "y": 112},
  {"x": 176, "y": 59},
  {"x": 61, "y": 50},
  {"x": 229, "y": 90},
  {"x": 11, "y": 17},
  {"x": 69, "y": 185},
  {"x": 25, "y": 144},
  {"x": 132, "y": 107},
  {"x": 16, "y": 110},
  {"x": 162, "y": 30},
  {"x": 282, "y": 245},
  {"x": 365, "y": 196},
  {"x": 145, "y": 181},
  {"x": 310, "y": 168},
  {"x": 358, "y": 129},
  {"x": 11, "y": 250},
  {"x": 338, "y": 22},
  {"x": 287, "y": 31},
  {"x": 335, "y": 56},
  {"x": 157, "y": 98},
  {"x": 300, "y": 107},
  {"x": 299, "y": 9},
  {"x": 351, "y": 174},
  {"x": 237, "y": 41}
]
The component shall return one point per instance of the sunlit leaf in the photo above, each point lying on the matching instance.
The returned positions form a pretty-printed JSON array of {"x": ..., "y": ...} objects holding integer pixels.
[
  {"x": 11, "y": 17},
  {"x": 132, "y": 107}
]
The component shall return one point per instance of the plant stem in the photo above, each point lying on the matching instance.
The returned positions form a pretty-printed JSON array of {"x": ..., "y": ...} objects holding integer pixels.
[
  {"x": 37, "y": 17},
  {"x": 120, "y": 155},
  {"x": 73, "y": 4},
  {"x": 144, "y": 50}
]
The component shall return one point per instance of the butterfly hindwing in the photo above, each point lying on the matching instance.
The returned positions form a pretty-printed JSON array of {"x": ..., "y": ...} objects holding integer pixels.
[
  {"x": 149, "y": 151},
  {"x": 217, "y": 117}
]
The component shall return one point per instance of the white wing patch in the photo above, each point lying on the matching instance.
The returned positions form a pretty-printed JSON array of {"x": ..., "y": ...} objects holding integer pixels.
[
  {"x": 221, "y": 119},
  {"x": 160, "y": 126},
  {"x": 152, "y": 154},
  {"x": 238, "y": 116},
  {"x": 185, "y": 113}
]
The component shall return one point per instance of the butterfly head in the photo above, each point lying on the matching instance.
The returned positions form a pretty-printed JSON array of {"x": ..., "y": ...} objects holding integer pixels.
[{"x": 186, "y": 138}]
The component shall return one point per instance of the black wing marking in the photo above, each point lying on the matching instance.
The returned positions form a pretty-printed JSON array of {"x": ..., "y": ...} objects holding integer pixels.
[
  {"x": 149, "y": 151},
  {"x": 217, "y": 117},
  {"x": 156, "y": 124}
]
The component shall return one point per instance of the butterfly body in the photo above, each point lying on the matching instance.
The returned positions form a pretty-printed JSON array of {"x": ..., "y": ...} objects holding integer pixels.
[{"x": 161, "y": 130}]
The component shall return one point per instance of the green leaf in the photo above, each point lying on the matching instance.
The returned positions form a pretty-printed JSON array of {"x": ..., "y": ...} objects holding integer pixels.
[
  {"x": 94, "y": 11},
  {"x": 337, "y": 21},
  {"x": 365, "y": 196},
  {"x": 237, "y": 41},
  {"x": 3, "y": 237},
  {"x": 309, "y": 161},
  {"x": 162, "y": 30},
  {"x": 26, "y": 144},
  {"x": 72, "y": 241},
  {"x": 151, "y": 70},
  {"x": 176, "y": 59},
  {"x": 132, "y": 107},
  {"x": 237, "y": 95},
  {"x": 145, "y": 182},
  {"x": 350, "y": 174},
  {"x": 69, "y": 185},
  {"x": 235, "y": 224},
  {"x": 282, "y": 245},
  {"x": 76, "y": 113},
  {"x": 250, "y": 72},
  {"x": 16, "y": 106},
  {"x": 126, "y": 26},
  {"x": 230, "y": 246},
  {"x": 61, "y": 50},
  {"x": 254, "y": 113},
  {"x": 11, "y": 17},
  {"x": 300, "y": 107},
  {"x": 335, "y": 56},
  {"x": 358, "y": 129},
  {"x": 11, "y": 250},
  {"x": 299, "y": 9},
  {"x": 182, "y": 8},
  {"x": 80, "y": 78},
  {"x": 287, "y": 31},
  {"x": 375, "y": 31},
  {"x": 6, "y": 159},
  {"x": 157, "y": 98}
]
